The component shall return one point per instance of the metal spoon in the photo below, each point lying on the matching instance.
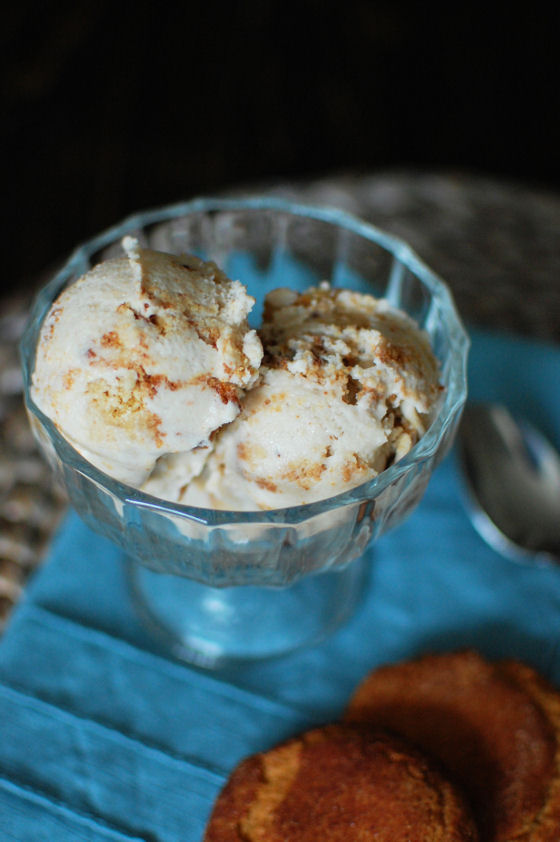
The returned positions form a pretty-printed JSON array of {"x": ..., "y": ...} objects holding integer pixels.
[{"x": 512, "y": 479}]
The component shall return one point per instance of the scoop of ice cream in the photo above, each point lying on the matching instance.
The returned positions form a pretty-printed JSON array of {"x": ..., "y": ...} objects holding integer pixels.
[
  {"x": 347, "y": 386},
  {"x": 145, "y": 356}
]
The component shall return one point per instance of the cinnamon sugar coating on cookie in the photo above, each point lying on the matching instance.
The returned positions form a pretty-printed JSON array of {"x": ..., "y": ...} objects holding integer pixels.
[
  {"x": 340, "y": 783},
  {"x": 494, "y": 726}
]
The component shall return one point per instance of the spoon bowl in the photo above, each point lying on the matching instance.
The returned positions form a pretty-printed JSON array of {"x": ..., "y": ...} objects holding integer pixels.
[{"x": 512, "y": 479}]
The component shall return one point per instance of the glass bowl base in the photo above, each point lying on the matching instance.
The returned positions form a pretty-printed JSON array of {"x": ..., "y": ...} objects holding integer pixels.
[{"x": 217, "y": 627}]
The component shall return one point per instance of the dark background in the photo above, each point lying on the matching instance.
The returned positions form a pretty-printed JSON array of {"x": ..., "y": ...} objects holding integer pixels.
[{"x": 114, "y": 107}]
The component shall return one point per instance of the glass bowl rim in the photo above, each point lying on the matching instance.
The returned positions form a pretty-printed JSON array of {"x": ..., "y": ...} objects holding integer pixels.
[{"x": 423, "y": 450}]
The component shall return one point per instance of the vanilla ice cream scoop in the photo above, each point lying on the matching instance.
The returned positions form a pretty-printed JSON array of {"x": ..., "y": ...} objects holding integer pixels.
[
  {"x": 144, "y": 358},
  {"x": 347, "y": 386}
]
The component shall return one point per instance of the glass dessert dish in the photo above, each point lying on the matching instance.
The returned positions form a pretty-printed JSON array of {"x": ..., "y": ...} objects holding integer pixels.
[{"x": 222, "y": 586}]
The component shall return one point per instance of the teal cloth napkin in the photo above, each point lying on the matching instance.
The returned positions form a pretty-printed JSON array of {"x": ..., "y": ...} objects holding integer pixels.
[{"x": 105, "y": 738}]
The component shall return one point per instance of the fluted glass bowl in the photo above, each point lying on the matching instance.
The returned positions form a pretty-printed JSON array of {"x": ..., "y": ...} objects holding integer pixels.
[{"x": 218, "y": 586}]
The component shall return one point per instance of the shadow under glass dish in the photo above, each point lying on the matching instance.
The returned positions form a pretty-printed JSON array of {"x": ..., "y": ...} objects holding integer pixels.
[{"x": 218, "y": 587}]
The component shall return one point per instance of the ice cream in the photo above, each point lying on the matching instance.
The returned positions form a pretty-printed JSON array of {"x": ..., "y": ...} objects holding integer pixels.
[
  {"x": 348, "y": 384},
  {"x": 148, "y": 367},
  {"x": 142, "y": 359}
]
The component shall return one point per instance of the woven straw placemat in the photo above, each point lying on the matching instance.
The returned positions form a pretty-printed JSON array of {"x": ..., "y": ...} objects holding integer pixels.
[{"x": 496, "y": 244}]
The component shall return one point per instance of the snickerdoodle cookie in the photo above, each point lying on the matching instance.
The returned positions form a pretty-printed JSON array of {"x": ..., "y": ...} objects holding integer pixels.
[
  {"x": 340, "y": 783},
  {"x": 494, "y": 726}
]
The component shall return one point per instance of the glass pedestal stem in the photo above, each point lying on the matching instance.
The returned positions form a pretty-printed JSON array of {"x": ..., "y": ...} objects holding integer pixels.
[{"x": 214, "y": 627}]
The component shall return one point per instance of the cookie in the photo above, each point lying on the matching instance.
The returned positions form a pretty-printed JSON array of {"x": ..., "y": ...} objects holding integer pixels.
[
  {"x": 494, "y": 726},
  {"x": 340, "y": 783}
]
